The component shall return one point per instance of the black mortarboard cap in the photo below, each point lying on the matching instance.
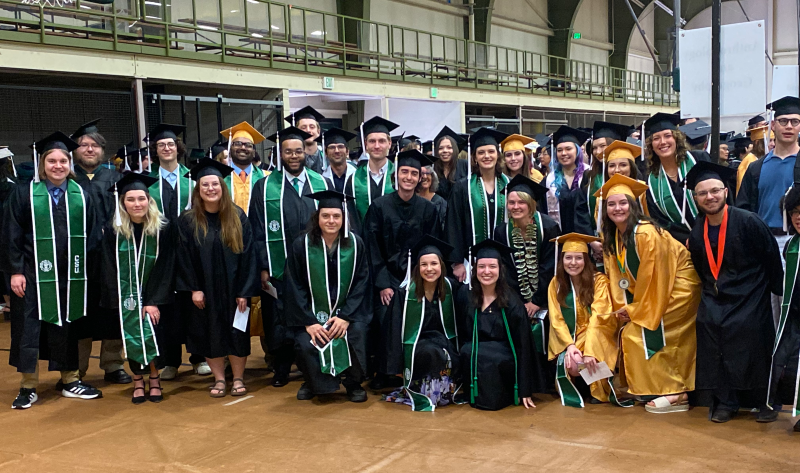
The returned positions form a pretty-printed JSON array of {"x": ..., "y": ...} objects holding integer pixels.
[
  {"x": 489, "y": 248},
  {"x": 127, "y": 150},
  {"x": 85, "y": 129},
  {"x": 196, "y": 154},
  {"x": 447, "y": 131},
  {"x": 336, "y": 136},
  {"x": 696, "y": 132},
  {"x": 329, "y": 199},
  {"x": 615, "y": 131},
  {"x": 755, "y": 120},
  {"x": 208, "y": 167},
  {"x": 219, "y": 147},
  {"x": 427, "y": 147},
  {"x": 289, "y": 133},
  {"x": 704, "y": 170},
  {"x": 785, "y": 106},
  {"x": 57, "y": 140},
  {"x": 740, "y": 140},
  {"x": 305, "y": 112},
  {"x": 486, "y": 136},
  {"x": 378, "y": 125},
  {"x": 162, "y": 131},
  {"x": 133, "y": 181},
  {"x": 660, "y": 122},
  {"x": 429, "y": 245},
  {"x": 414, "y": 158},
  {"x": 521, "y": 183},
  {"x": 634, "y": 141},
  {"x": 565, "y": 134}
]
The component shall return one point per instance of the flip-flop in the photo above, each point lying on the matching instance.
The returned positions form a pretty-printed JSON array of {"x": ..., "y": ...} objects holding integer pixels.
[
  {"x": 240, "y": 391},
  {"x": 663, "y": 406}
]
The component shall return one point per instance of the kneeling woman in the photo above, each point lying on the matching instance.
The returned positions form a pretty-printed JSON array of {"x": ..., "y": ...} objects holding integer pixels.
[
  {"x": 138, "y": 258},
  {"x": 655, "y": 291},
  {"x": 582, "y": 326},
  {"x": 217, "y": 274},
  {"x": 498, "y": 352},
  {"x": 328, "y": 278},
  {"x": 422, "y": 340}
]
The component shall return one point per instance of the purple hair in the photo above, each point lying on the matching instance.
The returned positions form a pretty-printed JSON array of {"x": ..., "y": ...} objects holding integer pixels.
[{"x": 559, "y": 172}]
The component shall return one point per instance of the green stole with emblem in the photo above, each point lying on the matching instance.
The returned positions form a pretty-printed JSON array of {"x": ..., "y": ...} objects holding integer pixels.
[
  {"x": 413, "y": 318},
  {"x": 665, "y": 199},
  {"x": 44, "y": 253},
  {"x": 789, "y": 279},
  {"x": 183, "y": 188},
  {"x": 334, "y": 357},
  {"x": 481, "y": 227},
  {"x": 255, "y": 175},
  {"x": 274, "y": 188},
  {"x": 133, "y": 270},
  {"x": 362, "y": 190}
]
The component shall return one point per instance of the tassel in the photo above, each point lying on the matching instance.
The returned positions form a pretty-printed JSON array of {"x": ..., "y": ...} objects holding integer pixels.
[
  {"x": 407, "y": 280},
  {"x": 469, "y": 269},
  {"x": 293, "y": 120},
  {"x": 125, "y": 158},
  {"x": 363, "y": 140},
  {"x": 13, "y": 168},
  {"x": 71, "y": 163},
  {"x": 346, "y": 220},
  {"x": 141, "y": 169},
  {"x": 708, "y": 145},
  {"x": 117, "y": 217},
  {"x": 769, "y": 131},
  {"x": 599, "y": 216},
  {"x": 230, "y": 141},
  {"x": 505, "y": 207},
  {"x": 278, "y": 139},
  {"x": 209, "y": 154},
  {"x": 469, "y": 159},
  {"x": 683, "y": 205},
  {"x": 396, "y": 167},
  {"x": 556, "y": 258},
  {"x": 35, "y": 164},
  {"x": 149, "y": 158},
  {"x": 784, "y": 213},
  {"x": 641, "y": 140}
]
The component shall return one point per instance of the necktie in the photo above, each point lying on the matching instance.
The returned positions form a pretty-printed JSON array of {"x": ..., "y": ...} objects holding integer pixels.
[
  {"x": 243, "y": 176},
  {"x": 56, "y": 194},
  {"x": 296, "y": 184}
]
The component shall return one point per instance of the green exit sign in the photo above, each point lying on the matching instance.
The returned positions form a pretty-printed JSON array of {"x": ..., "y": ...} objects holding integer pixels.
[{"x": 576, "y": 35}]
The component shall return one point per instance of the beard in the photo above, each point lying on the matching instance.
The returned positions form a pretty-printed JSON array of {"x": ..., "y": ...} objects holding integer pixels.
[{"x": 714, "y": 208}]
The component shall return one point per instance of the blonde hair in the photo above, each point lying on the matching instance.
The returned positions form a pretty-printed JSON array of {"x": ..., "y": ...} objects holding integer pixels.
[
  {"x": 153, "y": 219},
  {"x": 42, "y": 175},
  {"x": 528, "y": 200}
]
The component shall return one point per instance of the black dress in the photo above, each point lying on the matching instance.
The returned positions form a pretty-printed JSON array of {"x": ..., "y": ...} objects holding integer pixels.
[
  {"x": 446, "y": 185},
  {"x": 206, "y": 264}
]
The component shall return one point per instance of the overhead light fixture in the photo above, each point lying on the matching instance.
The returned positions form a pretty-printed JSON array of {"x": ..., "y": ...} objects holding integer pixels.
[
  {"x": 209, "y": 28},
  {"x": 275, "y": 27},
  {"x": 316, "y": 33},
  {"x": 234, "y": 11},
  {"x": 153, "y": 4},
  {"x": 256, "y": 35}
]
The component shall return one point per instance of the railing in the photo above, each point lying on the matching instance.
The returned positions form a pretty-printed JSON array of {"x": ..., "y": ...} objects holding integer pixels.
[{"x": 269, "y": 34}]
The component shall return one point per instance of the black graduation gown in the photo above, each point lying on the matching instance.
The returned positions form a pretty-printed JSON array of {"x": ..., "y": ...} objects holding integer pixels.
[
  {"x": 457, "y": 228},
  {"x": 356, "y": 224},
  {"x": 430, "y": 358},
  {"x": 573, "y": 211},
  {"x": 355, "y": 310},
  {"x": 735, "y": 328},
  {"x": 6, "y": 188},
  {"x": 747, "y": 197},
  {"x": 159, "y": 289},
  {"x": 446, "y": 186},
  {"x": 208, "y": 265},
  {"x": 441, "y": 208},
  {"x": 31, "y": 339},
  {"x": 495, "y": 366},
  {"x": 296, "y": 213},
  {"x": 785, "y": 360}
]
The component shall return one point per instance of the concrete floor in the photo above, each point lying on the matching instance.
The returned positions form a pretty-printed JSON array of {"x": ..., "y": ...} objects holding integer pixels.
[{"x": 273, "y": 432}]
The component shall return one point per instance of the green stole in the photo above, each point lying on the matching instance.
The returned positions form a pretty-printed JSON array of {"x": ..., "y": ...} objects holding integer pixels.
[
  {"x": 664, "y": 198},
  {"x": 479, "y": 208},
  {"x": 133, "y": 271},
  {"x": 654, "y": 340},
  {"x": 593, "y": 187},
  {"x": 334, "y": 357},
  {"x": 413, "y": 317},
  {"x": 789, "y": 279},
  {"x": 44, "y": 252},
  {"x": 569, "y": 394},
  {"x": 274, "y": 188},
  {"x": 255, "y": 175},
  {"x": 473, "y": 361},
  {"x": 362, "y": 190},
  {"x": 183, "y": 187}
]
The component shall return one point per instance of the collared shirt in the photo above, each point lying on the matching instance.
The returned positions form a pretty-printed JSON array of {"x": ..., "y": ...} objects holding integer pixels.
[
  {"x": 51, "y": 188},
  {"x": 237, "y": 169},
  {"x": 301, "y": 181},
  {"x": 171, "y": 177},
  {"x": 338, "y": 182},
  {"x": 381, "y": 172},
  {"x": 777, "y": 176}
]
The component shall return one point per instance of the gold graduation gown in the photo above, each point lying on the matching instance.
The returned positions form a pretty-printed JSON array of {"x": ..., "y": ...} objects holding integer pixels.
[
  {"x": 666, "y": 288},
  {"x": 747, "y": 161},
  {"x": 594, "y": 336}
]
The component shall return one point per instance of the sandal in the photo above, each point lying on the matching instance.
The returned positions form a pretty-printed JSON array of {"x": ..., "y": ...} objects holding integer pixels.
[
  {"x": 138, "y": 399},
  {"x": 241, "y": 390},
  {"x": 663, "y": 406},
  {"x": 160, "y": 396},
  {"x": 219, "y": 392}
]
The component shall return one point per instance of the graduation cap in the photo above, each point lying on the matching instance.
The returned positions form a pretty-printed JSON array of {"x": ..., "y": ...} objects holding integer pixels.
[
  {"x": 490, "y": 248},
  {"x": 427, "y": 147},
  {"x": 521, "y": 183},
  {"x": 289, "y": 133},
  {"x": 696, "y": 132},
  {"x": 85, "y": 129},
  {"x": 515, "y": 142},
  {"x": 57, "y": 140},
  {"x": 755, "y": 121},
  {"x": 377, "y": 125},
  {"x": 355, "y": 153},
  {"x": 636, "y": 142},
  {"x": 163, "y": 131},
  {"x": 565, "y": 134},
  {"x": 486, "y": 136},
  {"x": 785, "y": 106},
  {"x": 208, "y": 167},
  {"x": 133, "y": 181},
  {"x": 573, "y": 243},
  {"x": 219, "y": 146},
  {"x": 619, "y": 184},
  {"x": 661, "y": 122},
  {"x": 622, "y": 149},
  {"x": 242, "y": 130},
  {"x": 740, "y": 141},
  {"x": 456, "y": 137},
  {"x": 332, "y": 199},
  {"x": 759, "y": 133},
  {"x": 615, "y": 131},
  {"x": 429, "y": 245},
  {"x": 725, "y": 136},
  {"x": 196, "y": 154},
  {"x": 335, "y": 136},
  {"x": 304, "y": 113},
  {"x": 414, "y": 158},
  {"x": 125, "y": 151},
  {"x": 703, "y": 170},
  {"x": 7, "y": 155}
]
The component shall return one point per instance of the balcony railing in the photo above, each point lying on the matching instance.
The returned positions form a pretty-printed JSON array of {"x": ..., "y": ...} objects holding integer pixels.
[{"x": 268, "y": 34}]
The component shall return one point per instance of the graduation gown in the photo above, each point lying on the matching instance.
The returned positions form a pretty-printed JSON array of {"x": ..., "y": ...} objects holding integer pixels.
[
  {"x": 595, "y": 330},
  {"x": 495, "y": 365},
  {"x": 735, "y": 328},
  {"x": 206, "y": 264},
  {"x": 666, "y": 293},
  {"x": 570, "y": 208},
  {"x": 458, "y": 228},
  {"x": 6, "y": 188},
  {"x": 441, "y": 208},
  {"x": 446, "y": 185},
  {"x": 32, "y": 339},
  {"x": 355, "y": 310},
  {"x": 784, "y": 375},
  {"x": 376, "y": 190}
]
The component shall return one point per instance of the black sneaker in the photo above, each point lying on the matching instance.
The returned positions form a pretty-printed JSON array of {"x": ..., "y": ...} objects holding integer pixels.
[
  {"x": 305, "y": 393},
  {"x": 81, "y": 390},
  {"x": 766, "y": 415},
  {"x": 118, "y": 377},
  {"x": 25, "y": 398},
  {"x": 356, "y": 394}
]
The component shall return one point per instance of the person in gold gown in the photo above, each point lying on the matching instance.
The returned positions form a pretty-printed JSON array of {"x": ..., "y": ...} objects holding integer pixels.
[
  {"x": 758, "y": 152},
  {"x": 655, "y": 292}
]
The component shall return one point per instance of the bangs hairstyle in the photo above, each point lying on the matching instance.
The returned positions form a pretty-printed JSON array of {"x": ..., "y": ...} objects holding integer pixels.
[
  {"x": 419, "y": 283},
  {"x": 635, "y": 216},
  {"x": 153, "y": 219},
  {"x": 498, "y": 165},
  {"x": 42, "y": 175},
  {"x": 654, "y": 162},
  {"x": 790, "y": 202},
  {"x": 558, "y": 169},
  {"x": 525, "y": 170},
  {"x": 439, "y": 166},
  {"x": 586, "y": 278},
  {"x": 314, "y": 231},
  {"x": 502, "y": 290},
  {"x": 154, "y": 159},
  {"x": 231, "y": 226}
]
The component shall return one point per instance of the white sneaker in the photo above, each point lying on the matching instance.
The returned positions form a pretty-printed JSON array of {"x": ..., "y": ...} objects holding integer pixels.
[
  {"x": 201, "y": 369},
  {"x": 169, "y": 373}
]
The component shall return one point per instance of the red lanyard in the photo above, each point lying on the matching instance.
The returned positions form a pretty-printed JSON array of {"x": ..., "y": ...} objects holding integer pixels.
[{"x": 723, "y": 230}]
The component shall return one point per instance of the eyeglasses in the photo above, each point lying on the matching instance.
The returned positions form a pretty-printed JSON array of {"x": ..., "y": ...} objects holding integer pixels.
[
  {"x": 426, "y": 173},
  {"x": 289, "y": 153},
  {"x": 337, "y": 147},
  {"x": 785, "y": 121},
  {"x": 90, "y": 146},
  {"x": 795, "y": 212},
  {"x": 168, "y": 145},
  {"x": 242, "y": 144},
  {"x": 715, "y": 192}
]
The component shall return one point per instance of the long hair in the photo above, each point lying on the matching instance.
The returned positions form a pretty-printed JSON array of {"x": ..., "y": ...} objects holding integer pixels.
[
  {"x": 498, "y": 165},
  {"x": 314, "y": 231},
  {"x": 789, "y": 202},
  {"x": 180, "y": 149},
  {"x": 681, "y": 148},
  {"x": 434, "y": 180},
  {"x": 634, "y": 174},
  {"x": 502, "y": 290},
  {"x": 558, "y": 170},
  {"x": 635, "y": 216},
  {"x": 758, "y": 149},
  {"x": 419, "y": 283},
  {"x": 231, "y": 226},
  {"x": 525, "y": 170},
  {"x": 585, "y": 282},
  {"x": 153, "y": 219},
  {"x": 440, "y": 167},
  {"x": 42, "y": 175}
]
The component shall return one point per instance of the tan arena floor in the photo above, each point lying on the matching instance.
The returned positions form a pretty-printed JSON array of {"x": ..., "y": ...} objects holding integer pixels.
[{"x": 273, "y": 432}]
